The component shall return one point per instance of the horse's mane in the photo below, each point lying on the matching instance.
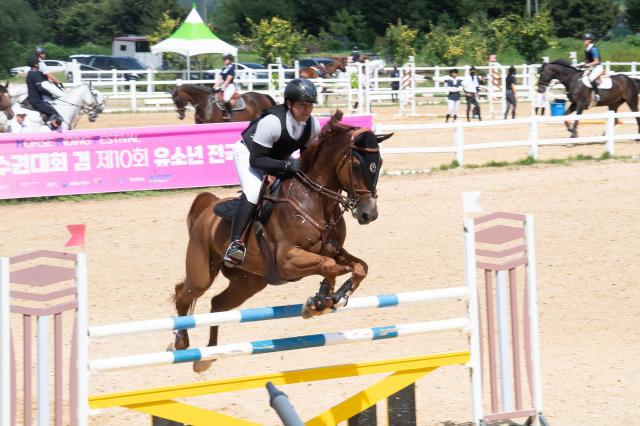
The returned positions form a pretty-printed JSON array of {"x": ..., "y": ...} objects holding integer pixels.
[
  {"x": 198, "y": 87},
  {"x": 332, "y": 129},
  {"x": 564, "y": 63}
]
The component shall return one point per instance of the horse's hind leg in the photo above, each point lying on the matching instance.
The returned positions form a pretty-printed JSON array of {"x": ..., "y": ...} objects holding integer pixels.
[{"x": 242, "y": 286}]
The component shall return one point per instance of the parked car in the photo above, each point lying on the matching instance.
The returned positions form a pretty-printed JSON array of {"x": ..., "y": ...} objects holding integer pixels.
[
  {"x": 107, "y": 63},
  {"x": 54, "y": 66}
]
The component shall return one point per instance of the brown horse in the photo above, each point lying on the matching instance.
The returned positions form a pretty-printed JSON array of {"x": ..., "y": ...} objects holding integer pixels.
[
  {"x": 303, "y": 235},
  {"x": 326, "y": 70},
  {"x": 5, "y": 101},
  {"x": 208, "y": 111},
  {"x": 623, "y": 89}
]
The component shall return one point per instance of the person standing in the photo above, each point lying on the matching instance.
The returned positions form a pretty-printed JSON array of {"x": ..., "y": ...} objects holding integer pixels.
[
  {"x": 265, "y": 148},
  {"x": 225, "y": 84},
  {"x": 36, "y": 94},
  {"x": 471, "y": 86},
  {"x": 593, "y": 61},
  {"x": 453, "y": 84},
  {"x": 17, "y": 124},
  {"x": 510, "y": 92},
  {"x": 41, "y": 54},
  {"x": 395, "y": 84}
]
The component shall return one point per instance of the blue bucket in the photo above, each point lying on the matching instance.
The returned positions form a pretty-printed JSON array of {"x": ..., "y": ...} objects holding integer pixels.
[{"x": 557, "y": 107}]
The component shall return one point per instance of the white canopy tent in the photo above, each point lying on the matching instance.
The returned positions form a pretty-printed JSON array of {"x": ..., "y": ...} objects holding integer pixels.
[{"x": 193, "y": 38}]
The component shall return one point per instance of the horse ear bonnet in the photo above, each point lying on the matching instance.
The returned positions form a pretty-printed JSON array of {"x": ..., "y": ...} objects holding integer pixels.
[{"x": 370, "y": 161}]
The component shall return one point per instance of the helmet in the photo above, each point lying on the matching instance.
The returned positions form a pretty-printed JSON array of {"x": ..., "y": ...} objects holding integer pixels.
[
  {"x": 40, "y": 50},
  {"x": 33, "y": 61},
  {"x": 301, "y": 90},
  {"x": 588, "y": 36},
  {"x": 228, "y": 56}
]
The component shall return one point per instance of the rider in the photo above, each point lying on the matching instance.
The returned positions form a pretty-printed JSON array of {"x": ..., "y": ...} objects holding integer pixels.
[
  {"x": 40, "y": 53},
  {"x": 593, "y": 61},
  {"x": 224, "y": 82},
  {"x": 36, "y": 94},
  {"x": 265, "y": 148}
]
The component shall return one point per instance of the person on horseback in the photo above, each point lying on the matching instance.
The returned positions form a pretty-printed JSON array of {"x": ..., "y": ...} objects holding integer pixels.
[
  {"x": 225, "y": 84},
  {"x": 41, "y": 53},
  {"x": 265, "y": 148},
  {"x": 36, "y": 94},
  {"x": 593, "y": 61}
]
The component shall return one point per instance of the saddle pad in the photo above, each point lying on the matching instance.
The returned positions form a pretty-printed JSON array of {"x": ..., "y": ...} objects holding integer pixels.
[
  {"x": 605, "y": 82},
  {"x": 239, "y": 105}
]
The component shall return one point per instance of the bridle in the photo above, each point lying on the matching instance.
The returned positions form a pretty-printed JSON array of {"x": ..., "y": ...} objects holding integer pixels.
[
  {"x": 354, "y": 196},
  {"x": 92, "y": 111}
]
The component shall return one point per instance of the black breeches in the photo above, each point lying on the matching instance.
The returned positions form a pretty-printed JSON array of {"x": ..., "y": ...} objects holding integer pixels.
[
  {"x": 472, "y": 100},
  {"x": 511, "y": 103},
  {"x": 44, "y": 108}
]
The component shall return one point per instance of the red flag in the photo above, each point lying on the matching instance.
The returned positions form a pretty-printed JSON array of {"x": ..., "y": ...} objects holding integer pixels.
[{"x": 77, "y": 235}]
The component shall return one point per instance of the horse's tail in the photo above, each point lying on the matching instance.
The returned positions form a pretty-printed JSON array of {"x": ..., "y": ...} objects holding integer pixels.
[
  {"x": 273, "y": 102},
  {"x": 201, "y": 202}
]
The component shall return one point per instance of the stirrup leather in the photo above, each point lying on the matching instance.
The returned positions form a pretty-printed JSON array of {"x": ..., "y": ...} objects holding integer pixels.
[{"x": 235, "y": 253}]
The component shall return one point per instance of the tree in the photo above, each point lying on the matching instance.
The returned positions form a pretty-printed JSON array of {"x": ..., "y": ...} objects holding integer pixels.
[
  {"x": 632, "y": 12},
  {"x": 532, "y": 36},
  {"x": 231, "y": 16},
  {"x": 20, "y": 25},
  {"x": 274, "y": 38},
  {"x": 571, "y": 18},
  {"x": 399, "y": 42},
  {"x": 351, "y": 24}
]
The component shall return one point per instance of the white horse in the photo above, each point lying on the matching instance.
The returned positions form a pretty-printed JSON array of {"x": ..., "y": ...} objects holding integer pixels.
[{"x": 69, "y": 104}]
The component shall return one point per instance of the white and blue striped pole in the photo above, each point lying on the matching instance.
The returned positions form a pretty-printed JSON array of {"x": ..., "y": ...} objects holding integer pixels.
[
  {"x": 273, "y": 312},
  {"x": 278, "y": 345}
]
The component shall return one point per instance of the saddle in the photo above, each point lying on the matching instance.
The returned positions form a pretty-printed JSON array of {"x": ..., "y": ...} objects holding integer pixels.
[
  {"x": 26, "y": 105},
  {"x": 236, "y": 101},
  {"x": 603, "y": 82},
  {"x": 227, "y": 210}
]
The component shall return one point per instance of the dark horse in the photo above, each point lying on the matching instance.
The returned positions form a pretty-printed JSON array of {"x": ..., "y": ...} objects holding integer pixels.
[
  {"x": 208, "y": 111},
  {"x": 624, "y": 89},
  {"x": 5, "y": 101},
  {"x": 303, "y": 236},
  {"x": 326, "y": 71}
]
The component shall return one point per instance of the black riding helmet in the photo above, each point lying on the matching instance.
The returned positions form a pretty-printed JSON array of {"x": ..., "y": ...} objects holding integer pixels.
[
  {"x": 301, "y": 90},
  {"x": 32, "y": 61},
  {"x": 588, "y": 36},
  {"x": 40, "y": 50},
  {"x": 228, "y": 56}
]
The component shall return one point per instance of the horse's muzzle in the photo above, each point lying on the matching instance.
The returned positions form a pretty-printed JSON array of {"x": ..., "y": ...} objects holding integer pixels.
[{"x": 366, "y": 211}]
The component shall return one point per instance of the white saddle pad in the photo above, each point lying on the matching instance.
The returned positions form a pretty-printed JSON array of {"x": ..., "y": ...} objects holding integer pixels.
[{"x": 605, "y": 82}]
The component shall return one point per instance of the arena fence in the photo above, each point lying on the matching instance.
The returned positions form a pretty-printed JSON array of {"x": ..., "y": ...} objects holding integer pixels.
[{"x": 503, "y": 340}]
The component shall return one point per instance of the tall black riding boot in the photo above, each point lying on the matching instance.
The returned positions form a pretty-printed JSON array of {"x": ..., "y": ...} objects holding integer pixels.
[
  {"x": 446, "y": 120},
  {"x": 455, "y": 117},
  {"x": 236, "y": 251},
  {"x": 596, "y": 90},
  {"x": 228, "y": 110}
]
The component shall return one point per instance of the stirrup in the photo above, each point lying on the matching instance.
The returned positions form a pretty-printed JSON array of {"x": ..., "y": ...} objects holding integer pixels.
[{"x": 235, "y": 253}]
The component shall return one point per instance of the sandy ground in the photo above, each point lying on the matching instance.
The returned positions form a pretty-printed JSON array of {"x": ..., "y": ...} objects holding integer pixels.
[{"x": 587, "y": 228}]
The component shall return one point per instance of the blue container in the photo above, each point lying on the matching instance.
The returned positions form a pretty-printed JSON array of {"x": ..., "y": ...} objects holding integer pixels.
[{"x": 557, "y": 107}]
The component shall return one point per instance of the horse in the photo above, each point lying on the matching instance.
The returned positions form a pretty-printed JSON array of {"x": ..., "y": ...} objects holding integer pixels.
[
  {"x": 248, "y": 106},
  {"x": 303, "y": 236},
  {"x": 326, "y": 69},
  {"x": 70, "y": 105},
  {"x": 623, "y": 89},
  {"x": 5, "y": 105}
]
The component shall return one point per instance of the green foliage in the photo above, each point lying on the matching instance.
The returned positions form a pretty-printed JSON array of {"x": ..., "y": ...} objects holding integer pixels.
[
  {"x": 571, "y": 18},
  {"x": 399, "y": 42},
  {"x": 352, "y": 26},
  {"x": 632, "y": 13},
  {"x": 274, "y": 38},
  {"x": 19, "y": 23},
  {"x": 533, "y": 36}
]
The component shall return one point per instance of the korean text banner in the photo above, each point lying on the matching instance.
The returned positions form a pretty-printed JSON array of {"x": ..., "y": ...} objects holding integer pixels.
[{"x": 112, "y": 160}]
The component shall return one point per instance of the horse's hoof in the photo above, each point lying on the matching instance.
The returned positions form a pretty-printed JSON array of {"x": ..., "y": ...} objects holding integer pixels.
[
  {"x": 202, "y": 366},
  {"x": 311, "y": 309}
]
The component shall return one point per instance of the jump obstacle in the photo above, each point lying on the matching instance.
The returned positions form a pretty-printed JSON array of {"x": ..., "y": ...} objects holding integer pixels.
[{"x": 501, "y": 347}]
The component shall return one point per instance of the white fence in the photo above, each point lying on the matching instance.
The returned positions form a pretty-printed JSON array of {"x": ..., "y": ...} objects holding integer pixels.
[
  {"x": 355, "y": 90},
  {"x": 458, "y": 146}
]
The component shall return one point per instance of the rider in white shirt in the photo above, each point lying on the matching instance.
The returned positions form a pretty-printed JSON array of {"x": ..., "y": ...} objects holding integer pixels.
[{"x": 40, "y": 54}]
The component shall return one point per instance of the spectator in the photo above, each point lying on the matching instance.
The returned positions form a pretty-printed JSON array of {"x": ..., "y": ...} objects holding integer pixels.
[
  {"x": 355, "y": 54},
  {"x": 453, "y": 83},
  {"x": 510, "y": 95},
  {"x": 36, "y": 94},
  {"x": 17, "y": 124},
  {"x": 395, "y": 84},
  {"x": 471, "y": 86},
  {"x": 541, "y": 103},
  {"x": 40, "y": 53}
]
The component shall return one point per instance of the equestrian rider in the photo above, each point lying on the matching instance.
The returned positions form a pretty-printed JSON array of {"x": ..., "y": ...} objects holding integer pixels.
[
  {"x": 36, "y": 94},
  {"x": 265, "y": 148},
  {"x": 593, "y": 61},
  {"x": 453, "y": 83},
  {"x": 471, "y": 86},
  {"x": 40, "y": 54},
  {"x": 224, "y": 82}
]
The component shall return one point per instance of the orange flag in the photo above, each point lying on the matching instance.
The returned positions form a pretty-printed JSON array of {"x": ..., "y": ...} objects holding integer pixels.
[{"x": 77, "y": 235}]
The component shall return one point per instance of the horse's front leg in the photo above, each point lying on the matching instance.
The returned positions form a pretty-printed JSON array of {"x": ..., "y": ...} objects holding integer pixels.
[
  {"x": 574, "y": 129},
  {"x": 296, "y": 263},
  {"x": 567, "y": 123},
  {"x": 359, "y": 269}
]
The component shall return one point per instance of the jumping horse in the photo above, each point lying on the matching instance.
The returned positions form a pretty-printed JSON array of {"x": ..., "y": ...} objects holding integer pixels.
[
  {"x": 623, "y": 89},
  {"x": 303, "y": 235},
  {"x": 248, "y": 107},
  {"x": 326, "y": 71}
]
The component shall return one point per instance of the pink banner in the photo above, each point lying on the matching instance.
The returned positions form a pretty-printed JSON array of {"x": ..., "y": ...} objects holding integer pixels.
[{"x": 113, "y": 160}]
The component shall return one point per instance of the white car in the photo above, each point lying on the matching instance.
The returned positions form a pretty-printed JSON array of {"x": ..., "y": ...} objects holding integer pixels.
[{"x": 54, "y": 66}]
